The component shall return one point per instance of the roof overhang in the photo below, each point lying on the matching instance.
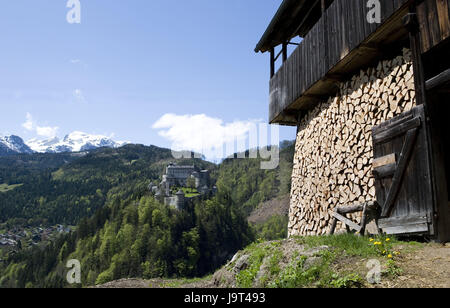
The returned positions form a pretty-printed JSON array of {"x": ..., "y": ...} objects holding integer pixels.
[{"x": 293, "y": 18}]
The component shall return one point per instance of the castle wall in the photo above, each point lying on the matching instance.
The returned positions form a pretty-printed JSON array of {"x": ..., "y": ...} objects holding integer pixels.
[{"x": 333, "y": 153}]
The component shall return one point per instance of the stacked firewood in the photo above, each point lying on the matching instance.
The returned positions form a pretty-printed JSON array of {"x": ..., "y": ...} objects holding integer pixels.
[{"x": 334, "y": 152}]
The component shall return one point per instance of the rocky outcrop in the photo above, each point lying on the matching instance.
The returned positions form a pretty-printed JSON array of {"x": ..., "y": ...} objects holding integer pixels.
[{"x": 262, "y": 264}]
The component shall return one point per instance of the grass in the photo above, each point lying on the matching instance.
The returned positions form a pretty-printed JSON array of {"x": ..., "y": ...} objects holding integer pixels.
[
  {"x": 258, "y": 253},
  {"x": 349, "y": 244},
  {"x": 5, "y": 187},
  {"x": 190, "y": 192},
  {"x": 331, "y": 268}
]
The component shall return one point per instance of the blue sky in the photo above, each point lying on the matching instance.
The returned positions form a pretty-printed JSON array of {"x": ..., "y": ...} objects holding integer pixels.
[{"x": 130, "y": 63}]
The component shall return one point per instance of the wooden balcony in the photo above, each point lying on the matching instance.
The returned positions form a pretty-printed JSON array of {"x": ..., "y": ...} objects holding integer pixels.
[{"x": 339, "y": 44}]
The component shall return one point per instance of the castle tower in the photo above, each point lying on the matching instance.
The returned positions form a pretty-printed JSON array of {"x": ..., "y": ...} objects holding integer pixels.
[{"x": 180, "y": 199}]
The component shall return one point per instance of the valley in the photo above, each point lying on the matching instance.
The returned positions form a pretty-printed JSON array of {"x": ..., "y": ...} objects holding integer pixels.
[{"x": 119, "y": 229}]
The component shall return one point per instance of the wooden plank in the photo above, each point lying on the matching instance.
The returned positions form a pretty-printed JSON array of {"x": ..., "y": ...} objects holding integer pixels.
[
  {"x": 350, "y": 209},
  {"x": 399, "y": 173},
  {"x": 395, "y": 130},
  {"x": 397, "y": 221},
  {"x": 356, "y": 208},
  {"x": 385, "y": 160},
  {"x": 404, "y": 225},
  {"x": 433, "y": 21},
  {"x": 443, "y": 14},
  {"x": 422, "y": 15},
  {"x": 438, "y": 80},
  {"x": 384, "y": 171},
  {"x": 346, "y": 221},
  {"x": 407, "y": 229}
]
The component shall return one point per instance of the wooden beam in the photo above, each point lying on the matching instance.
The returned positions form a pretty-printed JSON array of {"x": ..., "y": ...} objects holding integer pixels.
[
  {"x": 285, "y": 52},
  {"x": 350, "y": 209},
  {"x": 438, "y": 80},
  {"x": 385, "y": 160},
  {"x": 396, "y": 130},
  {"x": 384, "y": 171},
  {"x": 346, "y": 221},
  {"x": 411, "y": 23},
  {"x": 272, "y": 62}
]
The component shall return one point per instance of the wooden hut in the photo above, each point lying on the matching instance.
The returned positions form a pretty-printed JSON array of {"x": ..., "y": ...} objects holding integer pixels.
[{"x": 368, "y": 88}]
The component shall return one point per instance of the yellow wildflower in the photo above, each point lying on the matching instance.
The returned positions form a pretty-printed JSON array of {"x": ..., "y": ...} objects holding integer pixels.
[
  {"x": 388, "y": 239},
  {"x": 371, "y": 240},
  {"x": 389, "y": 256}
]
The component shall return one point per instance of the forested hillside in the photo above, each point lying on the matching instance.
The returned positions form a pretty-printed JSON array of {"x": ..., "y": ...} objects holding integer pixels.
[
  {"x": 247, "y": 185},
  {"x": 63, "y": 188},
  {"x": 135, "y": 238},
  {"x": 122, "y": 231}
]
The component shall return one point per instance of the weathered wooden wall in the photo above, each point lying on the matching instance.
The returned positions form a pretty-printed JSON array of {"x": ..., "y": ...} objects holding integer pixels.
[
  {"x": 404, "y": 187},
  {"x": 434, "y": 22},
  {"x": 343, "y": 27},
  {"x": 334, "y": 149}
]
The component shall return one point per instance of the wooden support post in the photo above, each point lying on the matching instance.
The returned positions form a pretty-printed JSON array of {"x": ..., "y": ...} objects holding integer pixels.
[
  {"x": 364, "y": 220},
  {"x": 333, "y": 225},
  {"x": 411, "y": 23},
  {"x": 272, "y": 62},
  {"x": 285, "y": 53}
]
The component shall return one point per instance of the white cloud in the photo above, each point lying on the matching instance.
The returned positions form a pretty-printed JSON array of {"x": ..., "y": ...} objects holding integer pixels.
[
  {"x": 28, "y": 125},
  {"x": 48, "y": 132},
  {"x": 203, "y": 134},
  {"x": 75, "y": 61},
  {"x": 43, "y": 131}
]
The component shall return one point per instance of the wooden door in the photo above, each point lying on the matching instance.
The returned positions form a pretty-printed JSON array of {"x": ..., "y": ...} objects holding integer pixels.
[{"x": 403, "y": 177}]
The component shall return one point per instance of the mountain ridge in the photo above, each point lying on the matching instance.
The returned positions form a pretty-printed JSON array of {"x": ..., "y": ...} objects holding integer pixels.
[
  {"x": 10, "y": 145},
  {"x": 74, "y": 142}
]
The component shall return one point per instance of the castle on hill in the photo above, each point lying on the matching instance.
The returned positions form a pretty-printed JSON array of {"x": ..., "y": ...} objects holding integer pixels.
[{"x": 181, "y": 178}]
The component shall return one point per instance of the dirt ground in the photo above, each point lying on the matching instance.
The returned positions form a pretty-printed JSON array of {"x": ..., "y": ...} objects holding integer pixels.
[{"x": 428, "y": 267}]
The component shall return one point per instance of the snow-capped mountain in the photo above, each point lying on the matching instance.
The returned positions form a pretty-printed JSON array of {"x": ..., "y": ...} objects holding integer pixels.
[
  {"x": 13, "y": 145},
  {"x": 74, "y": 142}
]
